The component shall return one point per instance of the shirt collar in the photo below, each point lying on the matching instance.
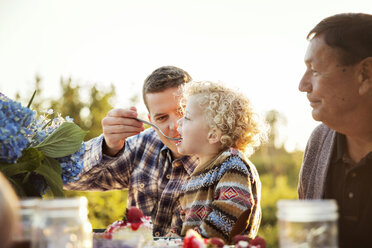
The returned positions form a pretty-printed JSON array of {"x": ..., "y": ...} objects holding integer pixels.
[
  {"x": 189, "y": 163},
  {"x": 367, "y": 158},
  {"x": 164, "y": 150},
  {"x": 340, "y": 153},
  {"x": 340, "y": 148}
]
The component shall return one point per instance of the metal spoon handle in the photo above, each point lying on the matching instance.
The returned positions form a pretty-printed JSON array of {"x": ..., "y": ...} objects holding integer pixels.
[{"x": 156, "y": 127}]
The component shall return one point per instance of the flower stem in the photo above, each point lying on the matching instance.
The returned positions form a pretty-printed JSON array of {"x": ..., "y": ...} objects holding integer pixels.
[{"x": 32, "y": 98}]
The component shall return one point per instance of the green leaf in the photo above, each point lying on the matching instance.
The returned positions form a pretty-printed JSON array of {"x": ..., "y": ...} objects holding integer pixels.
[
  {"x": 64, "y": 141},
  {"x": 51, "y": 170},
  {"x": 30, "y": 189},
  {"x": 30, "y": 160},
  {"x": 17, "y": 187},
  {"x": 10, "y": 170},
  {"x": 18, "y": 176}
]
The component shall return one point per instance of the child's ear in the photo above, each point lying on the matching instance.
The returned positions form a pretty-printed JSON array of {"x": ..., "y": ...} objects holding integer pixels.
[
  {"x": 214, "y": 136},
  {"x": 365, "y": 77}
]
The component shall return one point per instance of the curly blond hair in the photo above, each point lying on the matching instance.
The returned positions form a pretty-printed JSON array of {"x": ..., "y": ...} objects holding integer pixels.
[{"x": 229, "y": 111}]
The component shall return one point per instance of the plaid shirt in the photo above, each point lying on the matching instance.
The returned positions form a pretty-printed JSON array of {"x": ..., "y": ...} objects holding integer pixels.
[{"x": 145, "y": 166}]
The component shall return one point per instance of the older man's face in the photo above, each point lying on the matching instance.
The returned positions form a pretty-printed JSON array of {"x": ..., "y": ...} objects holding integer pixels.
[{"x": 332, "y": 89}]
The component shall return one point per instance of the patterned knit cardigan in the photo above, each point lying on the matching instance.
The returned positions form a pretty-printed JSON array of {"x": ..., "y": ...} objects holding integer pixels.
[{"x": 220, "y": 193}]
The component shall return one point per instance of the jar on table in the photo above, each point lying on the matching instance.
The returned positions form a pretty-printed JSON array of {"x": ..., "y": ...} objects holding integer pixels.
[
  {"x": 24, "y": 226},
  {"x": 62, "y": 223},
  {"x": 307, "y": 223}
]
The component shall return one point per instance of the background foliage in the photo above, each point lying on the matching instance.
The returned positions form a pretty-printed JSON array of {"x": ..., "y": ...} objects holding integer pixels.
[{"x": 277, "y": 167}]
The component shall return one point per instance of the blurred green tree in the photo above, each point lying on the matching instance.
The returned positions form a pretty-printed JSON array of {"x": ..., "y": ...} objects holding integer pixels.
[
  {"x": 87, "y": 114},
  {"x": 278, "y": 170}
]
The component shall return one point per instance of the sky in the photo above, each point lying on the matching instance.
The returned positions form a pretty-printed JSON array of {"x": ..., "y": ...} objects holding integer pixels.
[{"x": 256, "y": 47}]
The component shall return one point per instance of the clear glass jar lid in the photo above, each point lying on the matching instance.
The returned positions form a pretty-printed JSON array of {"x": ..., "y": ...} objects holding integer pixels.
[
  {"x": 60, "y": 207},
  {"x": 307, "y": 210},
  {"x": 28, "y": 205},
  {"x": 58, "y": 203}
]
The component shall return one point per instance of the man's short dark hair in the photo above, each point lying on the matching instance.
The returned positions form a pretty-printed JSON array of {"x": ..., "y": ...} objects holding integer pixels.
[
  {"x": 350, "y": 33},
  {"x": 164, "y": 78}
]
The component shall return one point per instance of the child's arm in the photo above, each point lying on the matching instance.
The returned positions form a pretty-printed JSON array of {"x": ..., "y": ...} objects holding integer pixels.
[{"x": 235, "y": 197}]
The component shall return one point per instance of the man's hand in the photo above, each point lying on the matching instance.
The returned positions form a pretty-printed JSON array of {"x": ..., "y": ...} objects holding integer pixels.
[{"x": 117, "y": 126}]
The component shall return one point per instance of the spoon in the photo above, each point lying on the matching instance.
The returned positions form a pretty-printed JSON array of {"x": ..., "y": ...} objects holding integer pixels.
[{"x": 156, "y": 127}]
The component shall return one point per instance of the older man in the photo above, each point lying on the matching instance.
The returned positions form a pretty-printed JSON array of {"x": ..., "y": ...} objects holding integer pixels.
[{"x": 338, "y": 159}]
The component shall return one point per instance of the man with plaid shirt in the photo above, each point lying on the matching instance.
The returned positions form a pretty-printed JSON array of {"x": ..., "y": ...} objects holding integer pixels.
[{"x": 145, "y": 162}]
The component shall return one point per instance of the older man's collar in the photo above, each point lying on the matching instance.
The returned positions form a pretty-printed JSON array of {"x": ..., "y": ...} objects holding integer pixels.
[{"x": 340, "y": 148}]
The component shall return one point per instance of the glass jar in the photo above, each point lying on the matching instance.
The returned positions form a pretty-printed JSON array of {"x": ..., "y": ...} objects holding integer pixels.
[
  {"x": 24, "y": 227},
  {"x": 307, "y": 223},
  {"x": 62, "y": 223}
]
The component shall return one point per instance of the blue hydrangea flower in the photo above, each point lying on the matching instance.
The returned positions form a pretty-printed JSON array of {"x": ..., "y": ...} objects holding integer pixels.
[
  {"x": 72, "y": 165},
  {"x": 19, "y": 129},
  {"x": 14, "y": 129}
]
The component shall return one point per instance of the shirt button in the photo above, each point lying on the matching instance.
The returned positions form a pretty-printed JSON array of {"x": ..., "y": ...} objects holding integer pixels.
[
  {"x": 351, "y": 195},
  {"x": 157, "y": 234},
  {"x": 168, "y": 176},
  {"x": 97, "y": 157},
  {"x": 142, "y": 185}
]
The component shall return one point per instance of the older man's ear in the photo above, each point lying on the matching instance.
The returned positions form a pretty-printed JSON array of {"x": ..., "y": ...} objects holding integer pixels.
[{"x": 365, "y": 77}]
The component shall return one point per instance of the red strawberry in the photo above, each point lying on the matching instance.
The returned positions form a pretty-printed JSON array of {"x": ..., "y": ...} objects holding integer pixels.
[
  {"x": 238, "y": 238},
  {"x": 193, "y": 240},
  {"x": 187, "y": 241},
  {"x": 258, "y": 242},
  {"x": 242, "y": 244},
  {"x": 135, "y": 226},
  {"x": 216, "y": 242},
  {"x": 196, "y": 243},
  {"x": 134, "y": 215}
]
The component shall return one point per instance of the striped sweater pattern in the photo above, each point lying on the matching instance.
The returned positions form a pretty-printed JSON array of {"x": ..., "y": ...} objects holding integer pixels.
[{"x": 218, "y": 193}]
